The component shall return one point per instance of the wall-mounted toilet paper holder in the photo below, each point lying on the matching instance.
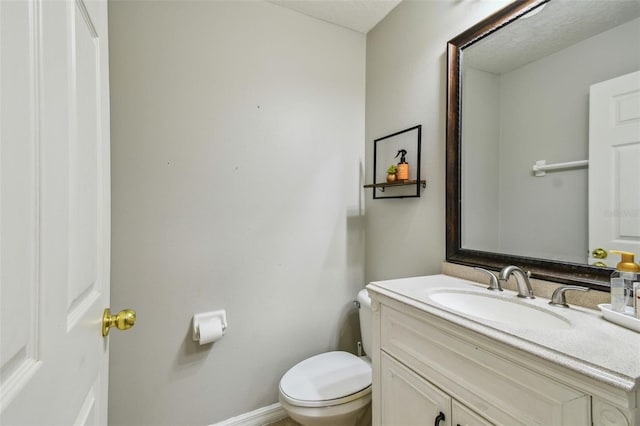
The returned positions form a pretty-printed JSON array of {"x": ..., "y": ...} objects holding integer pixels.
[{"x": 206, "y": 318}]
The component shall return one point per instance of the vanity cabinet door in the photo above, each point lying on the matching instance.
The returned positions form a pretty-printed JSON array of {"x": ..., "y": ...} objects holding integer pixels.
[
  {"x": 408, "y": 399},
  {"x": 489, "y": 379},
  {"x": 462, "y": 416}
]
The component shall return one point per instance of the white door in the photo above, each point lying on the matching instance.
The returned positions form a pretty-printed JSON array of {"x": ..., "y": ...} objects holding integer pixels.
[
  {"x": 614, "y": 166},
  {"x": 54, "y": 211},
  {"x": 409, "y": 400},
  {"x": 463, "y": 416}
]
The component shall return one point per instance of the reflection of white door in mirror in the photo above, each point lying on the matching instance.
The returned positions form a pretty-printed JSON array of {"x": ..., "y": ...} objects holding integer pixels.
[{"x": 614, "y": 166}]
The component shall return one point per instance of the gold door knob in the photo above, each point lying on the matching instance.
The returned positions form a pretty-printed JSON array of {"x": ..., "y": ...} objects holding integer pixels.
[
  {"x": 604, "y": 265},
  {"x": 599, "y": 253},
  {"x": 123, "y": 320}
]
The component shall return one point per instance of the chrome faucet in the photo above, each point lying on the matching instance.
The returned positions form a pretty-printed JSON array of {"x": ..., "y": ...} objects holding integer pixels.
[
  {"x": 522, "y": 280},
  {"x": 558, "y": 298},
  {"x": 494, "y": 281}
]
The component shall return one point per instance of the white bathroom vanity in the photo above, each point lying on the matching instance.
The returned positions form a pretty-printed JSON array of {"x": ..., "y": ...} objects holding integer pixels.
[{"x": 448, "y": 352}]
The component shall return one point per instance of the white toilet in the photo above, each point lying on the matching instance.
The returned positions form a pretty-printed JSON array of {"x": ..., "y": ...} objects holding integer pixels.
[{"x": 334, "y": 388}]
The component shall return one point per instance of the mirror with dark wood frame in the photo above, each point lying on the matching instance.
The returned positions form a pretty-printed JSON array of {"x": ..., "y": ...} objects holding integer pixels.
[{"x": 557, "y": 269}]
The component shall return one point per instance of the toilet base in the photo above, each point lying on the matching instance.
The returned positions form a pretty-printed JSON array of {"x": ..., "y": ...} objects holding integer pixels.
[{"x": 353, "y": 413}]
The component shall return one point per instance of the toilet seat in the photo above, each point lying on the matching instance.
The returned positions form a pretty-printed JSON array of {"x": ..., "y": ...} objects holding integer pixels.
[{"x": 327, "y": 379}]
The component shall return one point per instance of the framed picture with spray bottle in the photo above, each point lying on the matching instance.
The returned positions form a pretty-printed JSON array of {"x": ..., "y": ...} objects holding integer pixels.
[{"x": 396, "y": 165}]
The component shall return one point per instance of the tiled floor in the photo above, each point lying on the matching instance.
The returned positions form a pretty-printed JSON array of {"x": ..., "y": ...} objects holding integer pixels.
[{"x": 285, "y": 422}]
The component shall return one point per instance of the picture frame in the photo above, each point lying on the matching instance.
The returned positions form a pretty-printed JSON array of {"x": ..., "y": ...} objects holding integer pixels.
[{"x": 387, "y": 150}]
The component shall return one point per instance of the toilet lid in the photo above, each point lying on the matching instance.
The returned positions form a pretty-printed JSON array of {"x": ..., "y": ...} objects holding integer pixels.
[{"x": 328, "y": 376}]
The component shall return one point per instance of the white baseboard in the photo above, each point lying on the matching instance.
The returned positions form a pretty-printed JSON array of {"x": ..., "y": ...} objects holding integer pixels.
[{"x": 259, "y": 417}]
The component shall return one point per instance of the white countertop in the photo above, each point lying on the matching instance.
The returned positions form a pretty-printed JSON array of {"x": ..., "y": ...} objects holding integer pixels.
[{"x": 593, "y": 346}]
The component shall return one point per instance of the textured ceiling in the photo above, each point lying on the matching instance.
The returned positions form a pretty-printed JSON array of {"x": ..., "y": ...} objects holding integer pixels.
[
  {"x": 560, "y": 24},
  {"x": 357, "y": 15}
]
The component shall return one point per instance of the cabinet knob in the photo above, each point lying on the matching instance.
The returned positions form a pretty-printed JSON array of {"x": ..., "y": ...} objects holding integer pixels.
[{"x": 439, "y": 418}]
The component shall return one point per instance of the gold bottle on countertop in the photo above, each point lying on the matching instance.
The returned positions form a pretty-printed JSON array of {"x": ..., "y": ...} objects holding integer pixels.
[
  {"x": 627, "y": 272},
  {"x": 403, "y": 166}
]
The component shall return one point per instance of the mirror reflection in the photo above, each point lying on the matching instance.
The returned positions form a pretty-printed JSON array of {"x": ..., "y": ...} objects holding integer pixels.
[{"x": 550, "y": 134}]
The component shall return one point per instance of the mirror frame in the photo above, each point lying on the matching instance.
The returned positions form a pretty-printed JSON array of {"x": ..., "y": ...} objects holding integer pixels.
[{"x": 561, "y": 272}]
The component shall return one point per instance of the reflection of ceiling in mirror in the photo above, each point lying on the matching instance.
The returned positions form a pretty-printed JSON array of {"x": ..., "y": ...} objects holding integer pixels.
[{"x": 560, "y": 24}]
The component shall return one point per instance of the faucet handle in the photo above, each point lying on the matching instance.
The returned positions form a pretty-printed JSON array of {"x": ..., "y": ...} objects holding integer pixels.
[
  {"x": 494, "y": 281},
  {"x": 558, "y": 298}
]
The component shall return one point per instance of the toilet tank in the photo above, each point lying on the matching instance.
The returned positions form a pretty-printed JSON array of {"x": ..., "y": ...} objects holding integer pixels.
[{"x": 365, "y": 320}]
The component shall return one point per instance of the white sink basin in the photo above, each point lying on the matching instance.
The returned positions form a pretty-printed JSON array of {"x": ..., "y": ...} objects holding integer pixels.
[{"x": 499, "y": 309}]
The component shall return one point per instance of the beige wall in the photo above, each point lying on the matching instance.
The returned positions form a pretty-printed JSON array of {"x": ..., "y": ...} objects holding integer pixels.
[
  {"x": 237, "y": 149},
  {"x": 238, "y": 155},
  {"x": 406, "y": 85}
]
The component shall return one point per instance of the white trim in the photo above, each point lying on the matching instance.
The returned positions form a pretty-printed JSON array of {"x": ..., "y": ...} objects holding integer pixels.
[{"x": 260, "y": 417}]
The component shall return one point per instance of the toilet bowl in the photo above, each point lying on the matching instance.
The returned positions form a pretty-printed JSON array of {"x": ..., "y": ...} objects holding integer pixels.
[{"x": 333, "y": 388}]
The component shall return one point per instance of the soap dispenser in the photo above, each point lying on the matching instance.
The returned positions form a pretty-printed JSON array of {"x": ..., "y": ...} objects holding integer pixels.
[
  {"x": 627, "y": 272},
  {"x": 403, "y": 166}
]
